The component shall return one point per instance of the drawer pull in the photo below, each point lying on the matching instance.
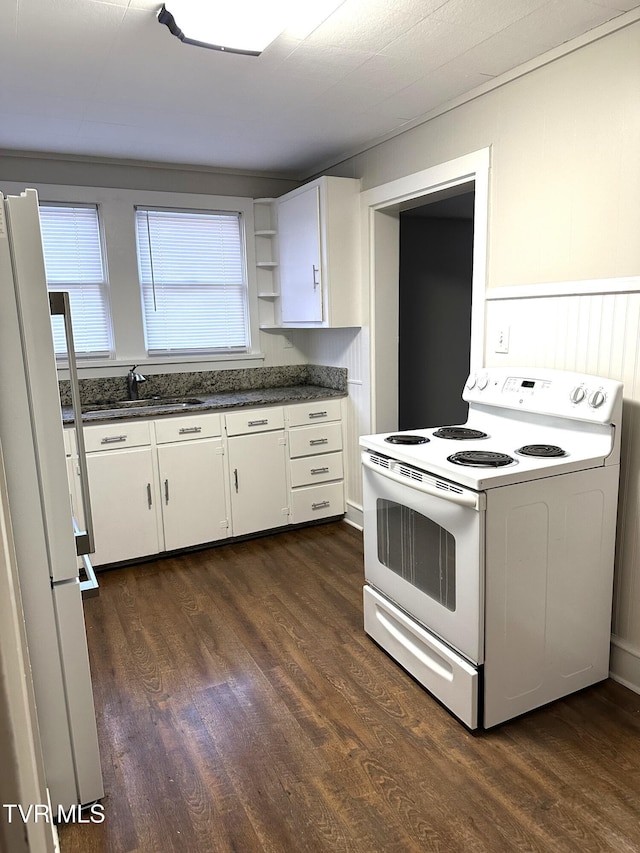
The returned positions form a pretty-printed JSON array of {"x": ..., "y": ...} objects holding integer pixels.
[
  {"x": 321, "y": 505},
  {"x": 113, "y": 439},
  {"x": 259, "y": 423},
  {"x": 315, "y": 441},
  {"x": 324, "y": 470},
  {"x": 187, "y": 430},
  {"x": 317, "y": 414}
]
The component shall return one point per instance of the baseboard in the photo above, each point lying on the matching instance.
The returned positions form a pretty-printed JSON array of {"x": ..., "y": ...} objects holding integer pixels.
[
  {"x": 354, "y": 515},
  {"x": 624, "y": 665}
]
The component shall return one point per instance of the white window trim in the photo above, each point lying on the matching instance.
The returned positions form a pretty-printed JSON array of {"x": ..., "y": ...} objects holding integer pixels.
[
  {"x": 116, "y": 211},
  {"x": 103, "y": 355},
  {"x": 154, "y": 290}
]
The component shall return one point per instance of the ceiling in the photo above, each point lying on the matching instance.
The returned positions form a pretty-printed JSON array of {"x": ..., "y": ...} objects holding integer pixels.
[{"x": 102, "y": 78}]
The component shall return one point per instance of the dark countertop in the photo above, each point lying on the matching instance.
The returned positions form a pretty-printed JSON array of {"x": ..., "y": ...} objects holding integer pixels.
[{"x": 219, "y": 402}]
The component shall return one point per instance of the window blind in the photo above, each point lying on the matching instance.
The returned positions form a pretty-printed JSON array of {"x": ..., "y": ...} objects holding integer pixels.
[
  {"x": 193, "y": 280},
  {"x": 74, "y": 261}
]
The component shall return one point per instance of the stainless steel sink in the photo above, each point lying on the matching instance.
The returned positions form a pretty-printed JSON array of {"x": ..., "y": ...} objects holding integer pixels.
[{"x": 152, "y": 403}]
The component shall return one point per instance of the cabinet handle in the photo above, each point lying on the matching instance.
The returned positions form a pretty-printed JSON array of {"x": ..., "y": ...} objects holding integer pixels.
[
  {"x": 166, "y": 491},
  {"x": 315, "y": 441},
  {"x": 149, "y": 498},
  {"x": 112, "y": 439},
  {"x": 186, "y": 430},
  {"x": 321, "y": 505},
  {"x": 317, "y": 414},
  {"x": 324, "y": 470},
  {"x": 235, "y": 478},
  {"x": 315, "y": 280},
  {"x": 259, "y": 423}
]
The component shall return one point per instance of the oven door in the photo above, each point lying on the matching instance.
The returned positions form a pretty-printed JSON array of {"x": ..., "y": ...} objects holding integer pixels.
[{"x": 424, "y": 549}]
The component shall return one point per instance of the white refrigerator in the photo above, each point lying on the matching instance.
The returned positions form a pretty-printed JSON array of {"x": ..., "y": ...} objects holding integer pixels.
[{"x": 46, "y": 541}]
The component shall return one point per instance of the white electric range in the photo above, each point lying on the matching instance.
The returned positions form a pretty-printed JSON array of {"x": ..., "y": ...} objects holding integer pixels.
[{"x": 489, "y": 547}]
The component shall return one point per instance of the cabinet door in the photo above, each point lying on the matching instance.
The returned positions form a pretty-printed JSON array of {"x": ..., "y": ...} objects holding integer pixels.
[
  {"x": 258, "y": 482},
  {"x": 123, "y": 501},
  {"x": 300, "y": 254},
  {"x": 192, "y": 492}
]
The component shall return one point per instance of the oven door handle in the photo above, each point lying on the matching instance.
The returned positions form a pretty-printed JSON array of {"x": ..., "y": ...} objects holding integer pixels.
[{"x": 464, "y": 497}]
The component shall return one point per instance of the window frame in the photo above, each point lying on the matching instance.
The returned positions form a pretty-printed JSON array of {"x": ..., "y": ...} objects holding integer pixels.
[
  {"x": 117, "y": 215},
  {"x": 206, "y": 352},
  {"x": 104, "y": 354}
]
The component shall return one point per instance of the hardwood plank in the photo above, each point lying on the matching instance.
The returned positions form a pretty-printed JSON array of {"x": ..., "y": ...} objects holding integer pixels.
[{"x": 241, "y": 707}]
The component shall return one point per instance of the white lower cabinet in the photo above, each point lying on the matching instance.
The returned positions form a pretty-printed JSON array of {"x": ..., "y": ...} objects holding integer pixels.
[
  {"x": 183, "y": 481},
  {"x": 192, "y": 493},
  {"x": 123, "y": 488},
  {"x": 156, "y": 486},
  {"x": 316, "y": 469},
  {"x": 258, "y": 482}
]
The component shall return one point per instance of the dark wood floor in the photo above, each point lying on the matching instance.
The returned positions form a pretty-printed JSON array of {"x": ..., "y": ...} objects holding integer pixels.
[{"x": 242, "y": 708}]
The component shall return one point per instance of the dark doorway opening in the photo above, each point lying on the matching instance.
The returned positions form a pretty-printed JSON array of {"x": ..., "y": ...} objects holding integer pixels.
[{"x": 434, "y": 330}]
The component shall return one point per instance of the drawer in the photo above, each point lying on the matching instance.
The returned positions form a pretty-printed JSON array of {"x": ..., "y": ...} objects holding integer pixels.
[
  {"x": 117, "y": 435},
  {"x": 446, "y": 674},
  {"x": 187, "y": 428},
  {"x": 311, "y": 413},
  {"x": 254, "y": 420},
  {"x": 312, "y": 502},
  {"x": 308, "y": 470},
  {"x": 322, "y": 438}
]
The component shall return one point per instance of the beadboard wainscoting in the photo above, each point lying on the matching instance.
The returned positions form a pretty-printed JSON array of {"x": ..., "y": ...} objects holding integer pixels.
[{"x": 591, "y": 326}]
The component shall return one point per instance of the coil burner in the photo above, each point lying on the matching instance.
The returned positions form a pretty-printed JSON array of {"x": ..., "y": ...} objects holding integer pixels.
[
  {"x": 544, "y": 451},
  {"x": 406, "y": 439},
  {"x": 458, "y": 433},
  {"x": 480, "y": 459}
]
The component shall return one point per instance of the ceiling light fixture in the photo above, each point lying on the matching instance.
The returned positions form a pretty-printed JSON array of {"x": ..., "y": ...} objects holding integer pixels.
[{"x": 237, "y": 27}]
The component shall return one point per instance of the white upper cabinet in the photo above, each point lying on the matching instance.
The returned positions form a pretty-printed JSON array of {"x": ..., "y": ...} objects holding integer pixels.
[{"x": 319, "y": 253}]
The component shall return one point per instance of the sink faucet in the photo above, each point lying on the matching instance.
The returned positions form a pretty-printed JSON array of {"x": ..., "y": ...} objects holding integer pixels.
[{"x": 133, "y": 379}]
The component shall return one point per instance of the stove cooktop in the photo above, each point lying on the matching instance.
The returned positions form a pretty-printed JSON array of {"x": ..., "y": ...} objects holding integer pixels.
[
  {"x": 523, "y": 424},
  {"x": 507, "y": 454}
]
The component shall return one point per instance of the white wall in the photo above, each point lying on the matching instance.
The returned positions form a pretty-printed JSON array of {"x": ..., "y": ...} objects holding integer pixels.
[{"x": 564, "y": 205}]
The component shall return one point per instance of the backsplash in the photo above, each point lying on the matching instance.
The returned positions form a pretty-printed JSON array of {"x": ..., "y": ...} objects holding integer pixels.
[{"x": 95, "y": 392}]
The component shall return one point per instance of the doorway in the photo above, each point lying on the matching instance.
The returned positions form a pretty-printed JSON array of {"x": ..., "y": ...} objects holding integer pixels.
[
  {"x": 381, "y": 208},
  {"x": 434, "y": 319}
]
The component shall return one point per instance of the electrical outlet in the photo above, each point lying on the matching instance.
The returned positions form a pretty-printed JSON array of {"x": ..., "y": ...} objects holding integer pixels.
[
  {"x": 287, "y": 343},
  {"x": 502, "y": 339}
]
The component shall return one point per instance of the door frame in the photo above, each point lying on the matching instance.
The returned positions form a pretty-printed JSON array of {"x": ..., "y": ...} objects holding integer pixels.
[{"x": 380, "y": 209}]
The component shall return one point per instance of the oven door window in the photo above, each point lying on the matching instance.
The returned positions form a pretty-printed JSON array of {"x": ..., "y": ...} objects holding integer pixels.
[{"x": 418, "y": 549}]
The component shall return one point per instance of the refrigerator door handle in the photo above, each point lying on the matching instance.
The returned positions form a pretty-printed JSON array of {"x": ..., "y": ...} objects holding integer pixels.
[
  {"x": 59, "y": 305},
  {"x": 90, "y": 587}
]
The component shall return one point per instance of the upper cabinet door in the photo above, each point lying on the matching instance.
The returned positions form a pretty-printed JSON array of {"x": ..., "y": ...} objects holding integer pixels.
[
  {"x": 319, "y": 247},
  {"x": 300, "y": 257}
]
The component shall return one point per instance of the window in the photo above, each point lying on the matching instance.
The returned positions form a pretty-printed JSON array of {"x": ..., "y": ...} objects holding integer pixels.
[
  {"x": 193, "y": 280},
  {"x": 74, "y": 261}
]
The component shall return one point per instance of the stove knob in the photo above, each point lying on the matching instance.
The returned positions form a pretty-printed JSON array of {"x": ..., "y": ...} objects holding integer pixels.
[
  {"x": 483, "y": 381},
  {"x": 471, "y": 381},
  {"x": 578, "y": 394},
  {"x": 597, "y": 399}
]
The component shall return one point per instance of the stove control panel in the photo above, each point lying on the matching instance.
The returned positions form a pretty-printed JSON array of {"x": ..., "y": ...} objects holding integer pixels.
[{"x": 559, "y": 393}]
